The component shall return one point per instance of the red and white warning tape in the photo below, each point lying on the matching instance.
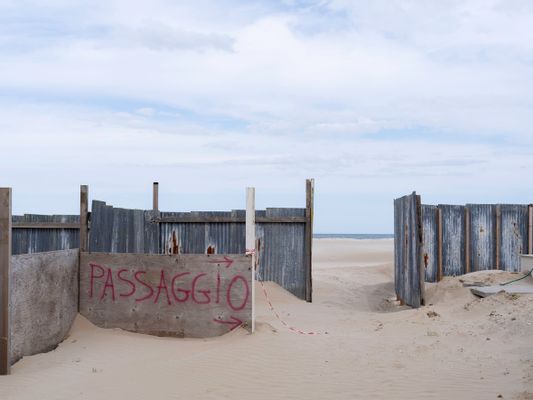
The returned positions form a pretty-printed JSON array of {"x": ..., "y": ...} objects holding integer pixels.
[{"x": 298, "y": 331}]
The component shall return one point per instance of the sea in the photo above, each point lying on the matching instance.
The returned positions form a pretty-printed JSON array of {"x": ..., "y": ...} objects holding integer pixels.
[{"x": 353, "y": 236}]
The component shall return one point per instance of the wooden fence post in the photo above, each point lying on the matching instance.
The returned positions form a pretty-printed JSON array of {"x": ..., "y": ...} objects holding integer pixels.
[
  {"x": 84, "y": 210},
  {"x": 5, "y": 268},
  {"x": 155, "y": 192},
  {"x": 250, "y": 241},
  {"x": 309, "y": 211}
]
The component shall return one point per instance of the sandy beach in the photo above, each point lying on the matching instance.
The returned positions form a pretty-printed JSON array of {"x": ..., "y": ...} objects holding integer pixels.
[{"x": 365, "y": 345}]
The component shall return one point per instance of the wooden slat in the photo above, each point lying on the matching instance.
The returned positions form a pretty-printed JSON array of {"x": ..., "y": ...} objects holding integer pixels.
[
  {"x": 5, "y": 267},
  {"x": 84, "y": 209},
  {"x": 250, "y": 241},
  {"x": 155, "y": 199},
  {"x": 309, "y": 207},
  {"x": 45, "y": 225}
]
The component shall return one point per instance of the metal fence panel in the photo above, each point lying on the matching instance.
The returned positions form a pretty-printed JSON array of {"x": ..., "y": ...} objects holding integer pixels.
[
  {"x": 36, "y": 240},
  {"x": 513, "y": 228},
  {"x": 482, "y": 236},
  {"x": 453, "y": 239},
  {"x": 409, "y": 275}
]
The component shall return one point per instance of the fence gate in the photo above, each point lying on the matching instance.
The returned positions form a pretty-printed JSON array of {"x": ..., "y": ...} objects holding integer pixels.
[{"x": 408, "y": 266}]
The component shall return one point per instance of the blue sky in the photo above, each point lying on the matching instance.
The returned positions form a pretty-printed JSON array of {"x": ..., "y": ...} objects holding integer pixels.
[{"x": 372, "y": 99}]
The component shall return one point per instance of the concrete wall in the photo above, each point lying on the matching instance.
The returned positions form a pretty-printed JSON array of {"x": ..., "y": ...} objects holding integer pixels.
[
  {"x": 44, "y": 300},
  {"x": 189, "y": 295}
]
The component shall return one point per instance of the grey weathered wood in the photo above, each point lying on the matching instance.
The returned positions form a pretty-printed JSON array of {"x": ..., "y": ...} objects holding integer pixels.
[
  {"x": 154, "y": 315},
  {"x": 5, "y": 271},
  {"x": 309, "y": 211},
  {"x": 45, "y": 225},
  {"x": 155, "y": 197},
  {"x": 84, "y": 211},
  {"x": 250, "y": 242}
]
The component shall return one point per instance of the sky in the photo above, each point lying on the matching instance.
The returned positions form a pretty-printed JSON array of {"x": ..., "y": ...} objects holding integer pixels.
[{"x": 372, "y": 99}]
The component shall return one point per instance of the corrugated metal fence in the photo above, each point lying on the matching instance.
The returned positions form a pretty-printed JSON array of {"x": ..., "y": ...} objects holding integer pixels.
[
  {"x": 408, "y": 272},
  {"x": 460, "y": 239},
  {"x": 280, "y": 237},
  {"x": 283, "y": 236}
]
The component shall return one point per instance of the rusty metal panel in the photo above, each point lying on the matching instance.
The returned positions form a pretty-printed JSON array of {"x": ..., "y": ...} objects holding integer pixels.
[
  {"x": 282, "y": 251},
  {"x": 408, "y": 271},
  {"x": 280, "y": 245},
  {"x": 119, "y": 230},
  {"x": 31, "y": 240},
  {"x": 482, "y": 236},
  {"x": 429, "y": 242},
  {"x": 453, "y": 239},
  {"x": 514, "y": 220}
]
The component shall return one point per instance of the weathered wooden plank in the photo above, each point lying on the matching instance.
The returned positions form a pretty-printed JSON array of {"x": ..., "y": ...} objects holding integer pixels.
[
  {"x": 184, "y": 295},
  {"x": 84, "y": 211},
  {"x": 429, "y": 242},
  {"x": 453, "y": 239},
  {"x": 45, "y": 225},
  {"x": 250, "y": 240},
  {"x": 482, "y": 236},
  {"x": 155, "y": 197},
  {"x": 514, "y": 240},
  {"x": 5, "y": 272}
]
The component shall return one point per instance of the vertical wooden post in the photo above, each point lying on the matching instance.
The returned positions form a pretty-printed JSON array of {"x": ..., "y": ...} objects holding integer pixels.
[
  {"x": 530, "y": 230},
  {"x": 309, "y": 211},
  {"x": 84, "y": 211},
  {"x": 155, "y": 202},
  {"x": 467, "y": 240},
  {"x": 250, "y": 241},
  {"x": 439, "y": 243},
  {"x": 498, "y": 234},
  {"x": 5, "y": 268}
]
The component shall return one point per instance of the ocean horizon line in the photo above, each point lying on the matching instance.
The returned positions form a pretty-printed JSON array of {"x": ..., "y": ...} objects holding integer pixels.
[{"x": 353, "y": 236}]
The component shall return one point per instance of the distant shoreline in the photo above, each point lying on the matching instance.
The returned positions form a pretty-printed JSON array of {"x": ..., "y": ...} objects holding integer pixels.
[{"x": 353, "y": 236}]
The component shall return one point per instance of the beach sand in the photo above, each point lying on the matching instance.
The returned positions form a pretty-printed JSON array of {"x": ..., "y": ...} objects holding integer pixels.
[{"x": 368, "y": 347}]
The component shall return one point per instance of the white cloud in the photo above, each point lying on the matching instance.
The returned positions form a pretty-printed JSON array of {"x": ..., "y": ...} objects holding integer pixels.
[{"x": 234, "y": 92}]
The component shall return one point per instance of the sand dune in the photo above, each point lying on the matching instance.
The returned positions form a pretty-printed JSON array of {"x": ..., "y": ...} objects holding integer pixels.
[{"x": 369, "y": 347}]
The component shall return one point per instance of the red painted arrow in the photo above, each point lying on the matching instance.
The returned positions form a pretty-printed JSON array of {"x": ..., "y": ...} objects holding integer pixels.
[
  {"x": 228, "y": 261},
  {"x": 236, "y": 322}
]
